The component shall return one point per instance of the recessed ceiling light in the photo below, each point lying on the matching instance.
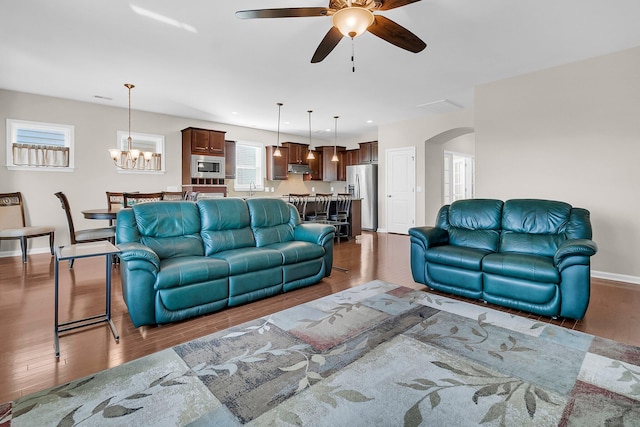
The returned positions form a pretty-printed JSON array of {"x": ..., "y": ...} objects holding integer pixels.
[
  {"x": 234, "y": 112},
  {"x": 369, "y": 121}
]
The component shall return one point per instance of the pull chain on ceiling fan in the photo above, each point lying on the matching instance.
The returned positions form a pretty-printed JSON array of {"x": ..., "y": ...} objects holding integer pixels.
[{"x": 349, "y": 18}]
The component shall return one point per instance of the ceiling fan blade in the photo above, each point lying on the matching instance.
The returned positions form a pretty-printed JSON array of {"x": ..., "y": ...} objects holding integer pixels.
[
  {"x": 327, "y": 44},
  {"x": 392, "y": 4},
  {"x": 290, "y": 12},
  {"x": 396, "y": 34}
]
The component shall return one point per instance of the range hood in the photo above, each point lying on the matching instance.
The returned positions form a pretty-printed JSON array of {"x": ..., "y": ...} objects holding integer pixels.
[{"x": 296, "y": 168}]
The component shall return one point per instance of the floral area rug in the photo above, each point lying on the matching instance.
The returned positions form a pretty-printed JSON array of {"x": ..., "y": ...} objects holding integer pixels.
[{"x": 375, "y": 355}]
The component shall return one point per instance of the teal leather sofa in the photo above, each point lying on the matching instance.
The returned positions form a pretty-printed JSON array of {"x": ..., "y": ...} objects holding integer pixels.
[
  {"x": 527, "y": 254},
  {"x": 184, "y": 259}
]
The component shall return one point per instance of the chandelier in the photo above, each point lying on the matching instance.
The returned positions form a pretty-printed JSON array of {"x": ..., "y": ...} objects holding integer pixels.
[{"x": 129, "y": 158}]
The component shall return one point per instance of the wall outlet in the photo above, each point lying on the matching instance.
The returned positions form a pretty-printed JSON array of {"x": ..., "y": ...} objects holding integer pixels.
[
  {"x": 332, "y": 189},
  {"x": 313, "y": 189}
]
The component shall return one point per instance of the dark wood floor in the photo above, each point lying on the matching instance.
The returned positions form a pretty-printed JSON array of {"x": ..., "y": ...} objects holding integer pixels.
[{"x": 27, "y": 362}]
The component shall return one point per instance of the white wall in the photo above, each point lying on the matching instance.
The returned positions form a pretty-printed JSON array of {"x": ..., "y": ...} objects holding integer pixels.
[
  {"x": 416, "y": 133},
  {"x": 95, "y": 132},
  {"x": 570, "y": 133}
]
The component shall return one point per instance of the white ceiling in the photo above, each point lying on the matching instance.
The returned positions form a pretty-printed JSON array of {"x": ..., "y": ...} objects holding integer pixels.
[{"x": 197, "y": 60}]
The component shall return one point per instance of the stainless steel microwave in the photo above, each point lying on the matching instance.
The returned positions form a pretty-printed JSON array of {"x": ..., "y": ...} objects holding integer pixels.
[{"x": 207, "y": 167}]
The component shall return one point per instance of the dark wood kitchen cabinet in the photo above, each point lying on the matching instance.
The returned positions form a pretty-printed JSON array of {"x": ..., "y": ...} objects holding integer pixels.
[
  {"x": 368, "y": 152},
  {"x": 230, "y": 160},
  {"x": 203, "y": 141},
  {"x": 297, "y": 152},
  {"x": 277, "y": 165},
  {"x": 316, "y": 167},
  {"x": 330, "y": 170}
]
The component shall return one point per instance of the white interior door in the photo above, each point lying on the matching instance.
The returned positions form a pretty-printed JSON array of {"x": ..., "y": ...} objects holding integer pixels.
[{"x": 400, "y": 183}]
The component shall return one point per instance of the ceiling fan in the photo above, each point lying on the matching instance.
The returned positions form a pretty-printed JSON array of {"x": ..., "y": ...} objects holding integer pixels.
[{"x": 350, "y": 18}]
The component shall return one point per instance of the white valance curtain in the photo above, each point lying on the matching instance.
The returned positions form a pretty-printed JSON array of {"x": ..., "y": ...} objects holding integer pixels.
[{"x": 40, "y": 155}]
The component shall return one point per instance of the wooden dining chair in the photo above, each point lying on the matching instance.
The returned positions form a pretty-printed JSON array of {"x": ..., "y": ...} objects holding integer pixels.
[
  {"x": 130, "y": 199},
  {"x": 13, "y": 224},
  {"x": 321, "y": 207},
  {"x": 115, "y": 201},
  {"x": 172, "y": 195},
  {"x": 300, "y": 202},
  {"x": 85, "y": 235}
]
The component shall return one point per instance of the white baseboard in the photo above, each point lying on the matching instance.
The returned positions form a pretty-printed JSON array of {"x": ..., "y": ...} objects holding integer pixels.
[
  {"x": 616, "y": 277},
  {"x": 381, "y": 230}
]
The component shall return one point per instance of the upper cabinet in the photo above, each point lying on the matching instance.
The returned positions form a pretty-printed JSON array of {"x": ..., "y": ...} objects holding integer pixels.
[
  {"x": 230, "y": 160},
  {"x": 277, "y": 165},
  {"x": 352, "y": 157},
  {"x": 316, "y": 167},
  {"x": 368, "y": 152},
  {"x": 204, "y": 141},
  {"x": 332, "y": 171},
  {"x": 297, "y": 152}
]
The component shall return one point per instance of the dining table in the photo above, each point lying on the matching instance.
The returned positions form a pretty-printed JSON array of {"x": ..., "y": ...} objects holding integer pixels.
[{"x": 105, "y": 213}]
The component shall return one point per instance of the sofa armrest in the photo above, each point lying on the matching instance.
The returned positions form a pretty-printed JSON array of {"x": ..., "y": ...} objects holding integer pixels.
[
  {"x": 314, "y": 233},
  {"x": 429, "y": 237},
  {"x": 134, "y": 251},
  {"x": 575, "y": 247}
]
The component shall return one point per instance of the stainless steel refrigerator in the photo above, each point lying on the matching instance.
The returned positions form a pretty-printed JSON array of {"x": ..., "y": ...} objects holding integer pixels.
[{"x": 362, "y": 183}]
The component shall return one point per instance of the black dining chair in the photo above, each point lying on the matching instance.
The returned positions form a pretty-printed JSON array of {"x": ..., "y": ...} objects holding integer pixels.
[
  {"x": 85, "y": 235},
  {"x": 341, "y": 216},
  {"x": 321, "y": 207},
  {"x": 300, "y": 202}
]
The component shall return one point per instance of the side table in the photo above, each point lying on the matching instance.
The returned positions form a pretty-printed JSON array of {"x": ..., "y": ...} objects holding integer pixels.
[{"x": 85, "y": 250}]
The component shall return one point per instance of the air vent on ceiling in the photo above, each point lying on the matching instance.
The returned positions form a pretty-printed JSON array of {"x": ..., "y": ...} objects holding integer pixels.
[{"x": 439, "y": 107}]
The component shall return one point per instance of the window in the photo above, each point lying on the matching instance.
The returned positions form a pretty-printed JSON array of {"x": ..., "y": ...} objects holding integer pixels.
[
  {"x": 458, "y": 179},
  {"x": 151, "y": 151},
  {"x": 39, "y": 146},
  {"x": 249, "y": 166}
]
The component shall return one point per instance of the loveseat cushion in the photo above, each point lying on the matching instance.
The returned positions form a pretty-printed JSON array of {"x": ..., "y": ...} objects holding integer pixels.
[
  {"x": 245, "y": 260},
  {"x": 295, "y": 252},
  {"x": 170, "y": 229},
  {"x": 457, "y": 256},
  {"x": 271, "y": 221},
  {"x": 529, "y": 267},
  {"x": 225, "y": 225},
  {"x": 183, "y": 271},
  {"x": 473, "y": 223},
  {"x": 534, "y": 226}
]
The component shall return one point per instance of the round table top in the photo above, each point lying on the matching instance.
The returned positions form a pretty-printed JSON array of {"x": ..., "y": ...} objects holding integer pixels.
[{"x": 100, "y": 213}]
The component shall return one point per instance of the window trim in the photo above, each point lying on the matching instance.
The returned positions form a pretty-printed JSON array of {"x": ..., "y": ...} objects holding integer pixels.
[
  {"x": 261, "y": 149},
  {"x": 121, "y": 143},
  {"x": 12, "y": 129}
]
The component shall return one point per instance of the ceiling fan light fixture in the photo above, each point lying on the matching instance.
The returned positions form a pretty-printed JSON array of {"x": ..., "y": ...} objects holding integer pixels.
[{"x": 352, "y": 21}]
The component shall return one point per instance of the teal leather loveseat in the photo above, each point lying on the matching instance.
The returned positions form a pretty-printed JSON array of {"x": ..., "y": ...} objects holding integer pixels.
[
  {"x": 184, "y": 259},
  {"x": 527, "y": 254}
]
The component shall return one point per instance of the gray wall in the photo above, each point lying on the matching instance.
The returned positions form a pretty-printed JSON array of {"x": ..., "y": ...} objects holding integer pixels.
[
  {"x": 95, "y": 132},
  {"x": 570, "y": 133}
]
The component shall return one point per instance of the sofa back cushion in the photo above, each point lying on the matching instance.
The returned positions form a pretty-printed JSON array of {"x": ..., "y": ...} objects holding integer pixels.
[
  {"x": 271, "y": 221},
  {"x": 171, "y": 229},
  {"x": 535, "y": 226},
  {"x": 473, "y": 223},
  {"x": 225, "y": 225}
]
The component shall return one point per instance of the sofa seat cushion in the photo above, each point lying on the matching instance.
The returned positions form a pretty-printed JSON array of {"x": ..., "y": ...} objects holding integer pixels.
[
  {"x": 457, "y": 256},
  {"x": 529, "y": 267},
  {"x": 182, "y": 271},
  {"x": 294, "y": 252},
  {"x": 245, "y": 260}
]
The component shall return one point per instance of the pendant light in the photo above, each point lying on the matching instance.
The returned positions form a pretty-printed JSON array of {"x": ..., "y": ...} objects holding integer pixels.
[
  {"x": 277, "y": 152},
  {"x": 126, "y": 159},
  {"x": 335, "y": 141},
  {"x": 310, "y": 156}
]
